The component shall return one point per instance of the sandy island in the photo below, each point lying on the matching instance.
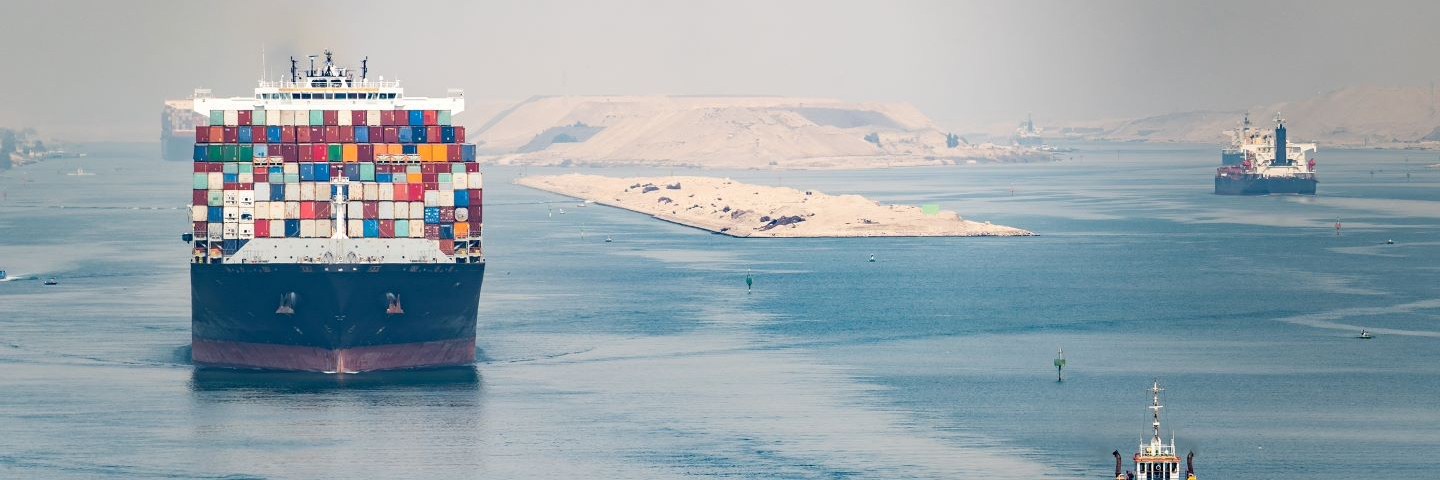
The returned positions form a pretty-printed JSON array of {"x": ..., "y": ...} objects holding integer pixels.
[{"x": 743, "y": 210}]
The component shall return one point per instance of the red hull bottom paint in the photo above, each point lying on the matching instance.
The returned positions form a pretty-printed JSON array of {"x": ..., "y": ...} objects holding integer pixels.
[{"x": 220, "y": 353}]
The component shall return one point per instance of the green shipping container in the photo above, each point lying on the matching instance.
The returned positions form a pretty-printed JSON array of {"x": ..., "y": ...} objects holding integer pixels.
[
  {"x": 413, "y": 169},
  {"x": 367, "y": 172},
  {"x": 444, "y": 178},
  {"x": 292, "y": 178},
  {"x": 229, "y": 152},
  {"x": 445, "y": 117},
  {"x": 247, "y": 153},
  {"x": 217, "y": 117},
  {"x": 216, "y": 198},
  {"x": 216, "y": 154},
  {"x": 317, "y": 117},
  {"x": 457, "y": 168},
  {"x": 247, "y": 168},
  {"x": 231, "y": 168},
  {"x": 333, "y": 153},
  {"x": 257, "y": 117},
  {"x": 202, "y": 181}
]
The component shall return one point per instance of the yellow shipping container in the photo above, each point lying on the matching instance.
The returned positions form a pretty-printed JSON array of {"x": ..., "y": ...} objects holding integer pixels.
[
  {"x": 462, "y": 230},
  {"x": 416, "y": 177},
  {"x": 396, "y": 149},
  {"x": 350, "y": 152}
]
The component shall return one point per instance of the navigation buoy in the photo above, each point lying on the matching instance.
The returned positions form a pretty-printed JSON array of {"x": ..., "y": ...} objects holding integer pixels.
[
  {"x": 1060, "y": 365},
  {"x": 749, "y": 281}
]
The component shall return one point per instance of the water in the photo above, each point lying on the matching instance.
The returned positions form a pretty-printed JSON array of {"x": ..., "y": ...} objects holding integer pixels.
[{"x": 646, "y": 358}]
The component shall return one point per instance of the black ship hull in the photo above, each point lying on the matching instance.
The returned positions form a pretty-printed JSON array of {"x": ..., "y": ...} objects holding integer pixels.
[
  {"x": 1246, "y": 184},
  {"x": 334, "y": 317},
  {"x": 177, "y": 148}
]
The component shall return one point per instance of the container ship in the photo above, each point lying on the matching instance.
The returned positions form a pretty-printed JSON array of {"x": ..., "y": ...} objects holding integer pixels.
[
  {"x": 1260, "y": 162},
  {"x": 336, "y": 227},
  {"x": 1155, "y": 459},
  {"x": 178, "y": 121}
]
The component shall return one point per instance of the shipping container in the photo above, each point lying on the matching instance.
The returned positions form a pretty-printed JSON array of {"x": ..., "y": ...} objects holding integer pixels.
[
  {"x": 227, "y": 134},
  {"x": 323, "y": 209},
  {"x": 199, "y": 196},
  {"x": 329, "y": 134},
  {"x": 277, "y": 210},
  {"x": 232, "y": 118},
  {"x": 243, "y": 117},
  {"x": 317, "y": 117},
  {"x": 366, "y": 152},
  {"x": 357, "y": 117},
  {"x": 332, "y": 153},
  {"x": 418, "y": 134},
  {"x": 416, "y": 117},
  {"x": 467, "y": 151},
  {"x": 432, "y": 231},
  {"x": 331, "y": 117},
  {"x": 361, "y": 134},
  {"x": 370, "y": 209},
  {"x": 202, "y": 152},
  {"x": 459, "y": 134},
  {"x": 373, "y": 118},
  {"x": 389, "y": 135},
  {"x": 307, "y": 228},
  {"x": 247, "y": 153},
  {"x": 447, "y": 232},
  {"x": 216, "y": 135},
  {"x": 273, "y": 134},
  {"x": 432, "y": 134},
  {"x": 371, "y": 228},
  {"x": 344, "y": 118},
  {"x": 217, "y": 117},
  {"x": 287, "y": 118},
  {"x": 258, "y": 117},
  {"x": 349, "y": 152},
  {"x": 200, "y": 229},
  {"x": 262, "y": 228},
  {"x": 272, "y": 118},
  {"x": 292, "y": 227},
  {"x": 262, "y": 209},
  {"x": 367, "y": 172},
  {"x": 261, "y": 150},
  {"x": 355, "y": 227},
  {"x": 443, "y": 117},
  {"x": 462, "y": 197},
  {"x": 323, "y": 227},
  {"x": 462, "y": 230},
  {"x": 405, "y": 135},
  {"x": 417, "y": 229},
  {"x": 202, "y": 135}
]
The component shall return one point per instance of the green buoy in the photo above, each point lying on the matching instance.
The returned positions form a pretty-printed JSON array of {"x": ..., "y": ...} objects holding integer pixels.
[
  {"x": 1060, "y": 365},
  {"x": 749, "y": 282}
]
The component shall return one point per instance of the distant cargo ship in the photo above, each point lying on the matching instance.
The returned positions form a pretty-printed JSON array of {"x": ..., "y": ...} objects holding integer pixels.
[
  {"x": 1155, "y": 459},
  {"x": 178, "y": 121},
  {"x": 1262, "y": 163},
  {"x": 1027, "y": 135},
  {"x": 336, "y": 227}
]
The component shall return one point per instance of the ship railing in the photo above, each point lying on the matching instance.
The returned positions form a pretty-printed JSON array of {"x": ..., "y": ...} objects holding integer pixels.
[{"x": 353, "y": 84}]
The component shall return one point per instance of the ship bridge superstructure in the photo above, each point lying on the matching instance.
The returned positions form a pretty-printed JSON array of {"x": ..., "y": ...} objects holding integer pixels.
[
  {"x": 1155, "y": 459},
  {"x": 330, "y": 86}
]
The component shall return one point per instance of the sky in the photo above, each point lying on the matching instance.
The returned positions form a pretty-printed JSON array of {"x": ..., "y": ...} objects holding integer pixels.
[{"x": 99, "y": 70}]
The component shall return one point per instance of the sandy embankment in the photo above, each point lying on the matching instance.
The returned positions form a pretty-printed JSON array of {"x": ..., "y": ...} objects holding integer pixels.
[{"x": 743, "y": 210}]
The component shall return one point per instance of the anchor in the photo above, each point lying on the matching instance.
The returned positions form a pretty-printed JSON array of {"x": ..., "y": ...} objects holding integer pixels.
[
  {"x": 394, "y": 307},
  {"x": 287, "y": 304}
]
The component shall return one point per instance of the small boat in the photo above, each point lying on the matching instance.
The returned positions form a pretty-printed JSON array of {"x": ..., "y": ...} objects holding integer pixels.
[
  {"x": 1365, "y": 335},
  {"x": 79, "y": 172},
  {"x": 562, "y": 211},
  {"x": 1389, "y": 242},
  {"x": 608, "y": 239},
  {"x": 1155, "y": 459},
  {"x": 872, "y": 258},
  {"x": 52, "y": 281}
]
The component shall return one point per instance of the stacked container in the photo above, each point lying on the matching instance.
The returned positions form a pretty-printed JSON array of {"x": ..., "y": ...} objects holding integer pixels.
[{"x": 275, "y": 174}]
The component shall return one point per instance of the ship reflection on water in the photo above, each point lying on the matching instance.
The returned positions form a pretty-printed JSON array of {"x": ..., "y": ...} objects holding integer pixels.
[{"x": 453, "y": 379}]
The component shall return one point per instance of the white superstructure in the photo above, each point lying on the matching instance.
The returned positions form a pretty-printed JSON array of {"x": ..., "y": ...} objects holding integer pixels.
[
  {"x": 327, "y": 87},
  {"x": 1257, "y": 148}
]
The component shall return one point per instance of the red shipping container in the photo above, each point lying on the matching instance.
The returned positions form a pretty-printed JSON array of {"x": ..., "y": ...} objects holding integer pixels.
[
  {"x": 427, "y": 168},
  {"x": 447, "y": 214},
  {"x": 262, "y": 228},
  {"x": 347, "y": 134},
  {"x": 258, "y": 134},
  {"x": 332, "y": 117},
  {"x": 430, "y": 178},
  {"x": 387, "y": 118},
  {"x": 273, "y": 149},
  {"x": 371, "y": 209},
  {"x": 318, "y": 153},
  {"x": 232, "y": 186},
  {"x": 402, "y": 191},
  {"x": 246, "y": 186},
  {"x": 432, "y": 231},
  {"x": 322, "y": 210},
  {"x": 200, "y": 229},
  {"x": 431, "y": 117},
  {"x": 459, "y": 134},
  {"x": 402, "y": 118},
  {"x": 432, "y": 134},
  {"x": 262, "y": 176},
  {"x": 244, "y": 117},
  {"x": 387, "y": 229},
  {"x": 215, "y": 167},
  {"x": 332, "y": 134},
  {"x": 217, "y": 134},
  {"x": 472, "y": 167},
  {"x": 230, "y": 135},
  {"x": 200, "y": 197},
  {"x": 475, "y": 198},
  {"x": 475, "y": 225},
  {"x": 306, "y": 152},
  {"x": 357, "y": 117},
  {"x": 447, "y": 246},
  {"x": 287, "y": 134},
  {"x": 200, "y": 167},
  {"x": 366, "y": 153},
  {"x": 432, "y": 185},
  {"x": 307, "y": 210},
  {"x": 452, "y": 153},
  {"x": 389, "y": 135},
  {"x": 290, "y": 152},
  {"x": 202, "y": 135},
  {"x": 302, "y": 135},
  {"x": 337, "y": 170},
  {"x": 317, "y": 134}
]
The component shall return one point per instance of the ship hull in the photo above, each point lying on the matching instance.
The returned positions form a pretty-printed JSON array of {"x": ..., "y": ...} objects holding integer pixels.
[
  {"x": 334, "y": 317},
  {"x": 1257, "y": 185},
  {"x": 177, "y": 148}
]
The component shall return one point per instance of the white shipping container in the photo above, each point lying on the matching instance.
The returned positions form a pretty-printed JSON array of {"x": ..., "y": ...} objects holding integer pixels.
[
  {"x": 247, "y": 214},
  {"x": 459, "y": 181},
  {"x": 231, "y": 230},
  {"x": 216, "y": 180},
  {"x": 307, "y": 228},
  {"x": 387, "y": 210},
  {"x": 262, "y": 210},
  {"x": 402, "y": 210},
  {"x": 198, "y": 213},
  {"x": 287, "y": 117},
  {"x": 474, "y": 180},
  {"x": 272, "y": 118},
  {"x": 292, "y": 191},
  {"x": 372, "y": 191},
  {"x": 372, "y": 118},
  {"x": 432, "y": 198},
  {"x": 322, "y": 227},
  {"x": 417, "y": 210},
  {"x": 292, "y": 168},
  {"x": 277, "y": 210},
  {"x": 232, "y": 213},
  {"x": 246, "y": 178},
  {"x": 230, "y": 198},
  {"x": 462, "y": 214},
  {"x": 387, "y": 191},
  {"x": 447, "y": 199},
  {"x": 307, "y": 190},
  {"x": 262, "y": 192},
  {"x": 417, "y": 229},
  {"x": 344, "y": 118},
  {"x": 292, "y": 210},
  {"x": 216, "y": 231},
  {"x": 356, "y": 228},
  {"x": 355, "y": 209},
  {"x": 232, "y": 118},
  {"x": 247, "y": 231},
  {"x": 246, "y": 198},
  {"x": 277, "y": 229},
  {"x": 448, "y": 188}
]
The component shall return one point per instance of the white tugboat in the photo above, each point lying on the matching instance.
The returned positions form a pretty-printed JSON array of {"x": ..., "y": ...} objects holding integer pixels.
[{"x": 1155, "y": 459}]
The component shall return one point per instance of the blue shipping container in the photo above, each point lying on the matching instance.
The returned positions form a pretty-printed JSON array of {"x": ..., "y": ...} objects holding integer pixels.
[
  {"x": 383, "y": 177},
  {"x": 417, "y": 117},
  {"x": 244, "y": 134},
  {"x": 405, "y": 135},
  {"x": 344, "y": 189},
  {"x": 418, "y": 135},
  {"x": 261, "y": 150},
  {"x": 432, "y": 214},
  {"x": 372, "y": 228},
  {"x": 322, "y": 172},
  {"x": 230, "y": 246},
  {"x": 447, "y": 231},
  {"x": 277, "y": 192},
  {"x": 462, "y": 198},
  {"x": 202, "y": 152},
  {"x": 273, "y": 133},
  {"x": 307, "y": 172},
  {"x": 215, "y": 214},
  {"x": 352, "y": 171},
  {"x": 292, "y": 228},
  {"x": 467, "y": 152},
  {"x": 277, "y": 170},
  {"x": 232, "y": 177},
  {"x": 447, "y": 134},
  {"x": 362, "y": 134}
]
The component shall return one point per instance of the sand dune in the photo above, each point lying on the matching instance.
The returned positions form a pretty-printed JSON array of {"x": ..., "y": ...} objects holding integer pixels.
[{"x": 743, "y": 210}]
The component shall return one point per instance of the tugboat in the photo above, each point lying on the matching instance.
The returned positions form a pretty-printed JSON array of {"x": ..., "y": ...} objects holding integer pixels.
[
  {"x": 1155, "y": 459},
  {"x": 1365, "y": 335},
  {"x": 52, "y": 281}
]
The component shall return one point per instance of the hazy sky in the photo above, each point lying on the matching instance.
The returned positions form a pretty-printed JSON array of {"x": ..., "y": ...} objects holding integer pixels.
[{"x": 100, "y": 69}]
